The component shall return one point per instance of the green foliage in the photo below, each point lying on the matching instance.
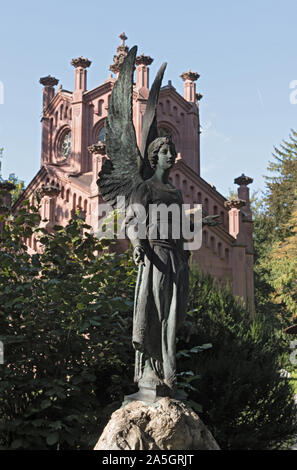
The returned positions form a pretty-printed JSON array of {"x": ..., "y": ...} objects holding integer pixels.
[
  {"x": 19, "y": 184},
  {"x": 282, "y": 265},
  {"x": 293, "y": 379},
  {"x": 65, "y": 321},
  {"x": 19, "y": 187},
  {"x": 245, "y": 402},
  {"x": 282, "y": 185},
  {"x": 274, "y": 237},
  {"x": 1, "y": 156},
  {"x": 264, "y": 292}
]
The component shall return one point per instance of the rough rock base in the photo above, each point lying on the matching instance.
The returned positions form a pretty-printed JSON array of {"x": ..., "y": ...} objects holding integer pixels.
[{"x": 165, "y": 425}]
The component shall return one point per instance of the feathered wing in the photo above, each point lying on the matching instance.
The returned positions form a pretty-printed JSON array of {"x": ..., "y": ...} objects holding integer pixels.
[
  {"x": 121, "y": 172},
  {"x": 150, "y": 128}
]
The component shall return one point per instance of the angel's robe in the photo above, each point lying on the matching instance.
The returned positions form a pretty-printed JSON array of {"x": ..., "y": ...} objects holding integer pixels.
[{"x": 162, "y": 284}]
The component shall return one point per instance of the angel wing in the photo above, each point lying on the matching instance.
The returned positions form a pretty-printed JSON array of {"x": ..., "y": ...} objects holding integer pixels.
[
  {"x": 121, "y": 172},
  {"x": 150, "y": 129}
]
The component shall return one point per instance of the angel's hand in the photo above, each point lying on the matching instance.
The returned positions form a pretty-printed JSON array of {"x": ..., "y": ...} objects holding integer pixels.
[
  {"x": 211, "y": 220},
  {"x": 138, "y": 255}
]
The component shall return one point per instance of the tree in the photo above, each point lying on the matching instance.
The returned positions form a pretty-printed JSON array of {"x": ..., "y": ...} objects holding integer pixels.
[
  {"x": 281, "y": 193},
  {"x": 65, "y": 320},
  {"x": 263, "y": 239},
  {"x": 19, "y": 184},
  {"x": 19, "y": 187},
  {"x": 1, "y": 156},
  {"x": 273, "y": 226},
  {"x": 282, "y": 264},
  {"x": 245, "y": 402}
]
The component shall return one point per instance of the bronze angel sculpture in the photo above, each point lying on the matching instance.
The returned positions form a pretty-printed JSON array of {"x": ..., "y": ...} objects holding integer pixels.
[{"x": 141, "y": 176}]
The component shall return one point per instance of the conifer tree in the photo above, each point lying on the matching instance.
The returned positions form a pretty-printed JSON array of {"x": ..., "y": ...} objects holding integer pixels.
[
  {"x": 281, "y": 186},
  {"x": 274, "y": 222},
  {"x": 282, "y": 264},
  {"x": 1, "y": 155}
]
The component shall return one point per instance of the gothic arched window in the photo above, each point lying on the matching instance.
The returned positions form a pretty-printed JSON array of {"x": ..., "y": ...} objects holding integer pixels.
[
  {"x": 100, "y": 107},
  {"x": 101, "y": 135},
  {"x": 64, "y": 147}
]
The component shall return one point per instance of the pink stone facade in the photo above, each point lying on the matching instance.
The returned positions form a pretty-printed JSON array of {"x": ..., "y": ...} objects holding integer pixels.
[{"x": 73, "y": 121}]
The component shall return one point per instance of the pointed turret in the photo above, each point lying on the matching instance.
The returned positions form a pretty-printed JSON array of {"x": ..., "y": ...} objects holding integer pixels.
[{"x": 122, "y": 52}]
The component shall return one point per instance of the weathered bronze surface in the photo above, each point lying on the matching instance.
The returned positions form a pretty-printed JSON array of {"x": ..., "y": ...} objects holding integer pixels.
[{"x": 142, "y": 177}]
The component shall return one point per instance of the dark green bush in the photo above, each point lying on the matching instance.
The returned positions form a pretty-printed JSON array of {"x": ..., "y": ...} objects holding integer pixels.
[
  {"x": 65, "y": 322},
  {"x": 245, "y": 402}
]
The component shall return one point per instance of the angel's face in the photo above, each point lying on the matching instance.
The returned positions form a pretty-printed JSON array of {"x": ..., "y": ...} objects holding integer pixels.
[{"x": 166, "y": 157}]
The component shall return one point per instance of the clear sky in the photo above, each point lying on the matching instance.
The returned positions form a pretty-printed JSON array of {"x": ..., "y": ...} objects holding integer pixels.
[{"x": 244, "y": 51}]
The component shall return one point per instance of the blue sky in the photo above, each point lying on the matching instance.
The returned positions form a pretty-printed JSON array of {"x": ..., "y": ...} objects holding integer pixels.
[{"x": 245, "y": 53}]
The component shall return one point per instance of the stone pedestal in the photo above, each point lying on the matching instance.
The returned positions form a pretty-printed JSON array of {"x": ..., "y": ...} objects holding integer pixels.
[{"x": 167, "y": 424}]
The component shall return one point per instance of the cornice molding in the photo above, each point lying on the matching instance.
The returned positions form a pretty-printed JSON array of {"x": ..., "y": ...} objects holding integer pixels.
[
  {"x": 221, "y": 233},
  {"x": 99, "y": 90},
  {"x": 190, "y": 76},
  {"x": 59, "y": 96},
  {"x": 48, "y": 81},
  {"x": 200, "y": 181},
  {"x": 81, "y": 62},
  {"x": 31, "y": 186},
  {"x": 172, "y": 93}
]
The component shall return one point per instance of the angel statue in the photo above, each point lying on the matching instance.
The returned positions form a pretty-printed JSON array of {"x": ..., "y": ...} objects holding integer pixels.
[{"x": 141, "y": 176}]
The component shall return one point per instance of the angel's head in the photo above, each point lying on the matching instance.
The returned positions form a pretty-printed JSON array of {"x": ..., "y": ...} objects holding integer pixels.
[{"x": 162, "y": 153}]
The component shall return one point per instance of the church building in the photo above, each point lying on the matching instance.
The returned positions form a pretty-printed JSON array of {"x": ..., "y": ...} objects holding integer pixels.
[{"x": 73, "y": 148}]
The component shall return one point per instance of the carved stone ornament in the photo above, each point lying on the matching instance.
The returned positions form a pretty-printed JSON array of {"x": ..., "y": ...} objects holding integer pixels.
[
  {"x": 243, "y": 180},
  {"x": 118, "y": 62},
  {"x": 234, "y": 203},
  {"x": 123, "y": 48},
  {"x": 81, "y": 62},
  {"x": 48, "y": 81},
  {"x": 190, "y": 75},
  {"x": 143, "y": 60},
  {"x": 122, "y": 52},
  {"x": 98, "y": 148},
  {"x": 49, "y": 190}
]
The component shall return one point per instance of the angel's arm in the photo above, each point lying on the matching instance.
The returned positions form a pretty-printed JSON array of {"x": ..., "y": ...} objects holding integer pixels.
[
  {"x": 210, "y": 220},
  {"x": 136, "y": 222}
]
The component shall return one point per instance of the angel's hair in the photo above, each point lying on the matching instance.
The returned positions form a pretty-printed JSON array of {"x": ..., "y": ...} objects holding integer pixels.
[{"x": 154, "y": 148}]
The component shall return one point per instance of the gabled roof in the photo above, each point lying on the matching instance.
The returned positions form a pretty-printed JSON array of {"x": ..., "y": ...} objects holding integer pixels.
[
  {"x": 61, "y": 95},
  {"x": 31, "y": 187},
  {"x": 169, "y": 90},
  {"x": 99, "y": 90},
  {"x": 82, "y": 181},
  {"x": 192, "y": 175}
]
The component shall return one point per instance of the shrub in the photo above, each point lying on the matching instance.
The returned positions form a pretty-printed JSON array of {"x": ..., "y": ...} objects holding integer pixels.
[
  {"x": 245, "y": 401},
  {"x": 65, "y": 321}
]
